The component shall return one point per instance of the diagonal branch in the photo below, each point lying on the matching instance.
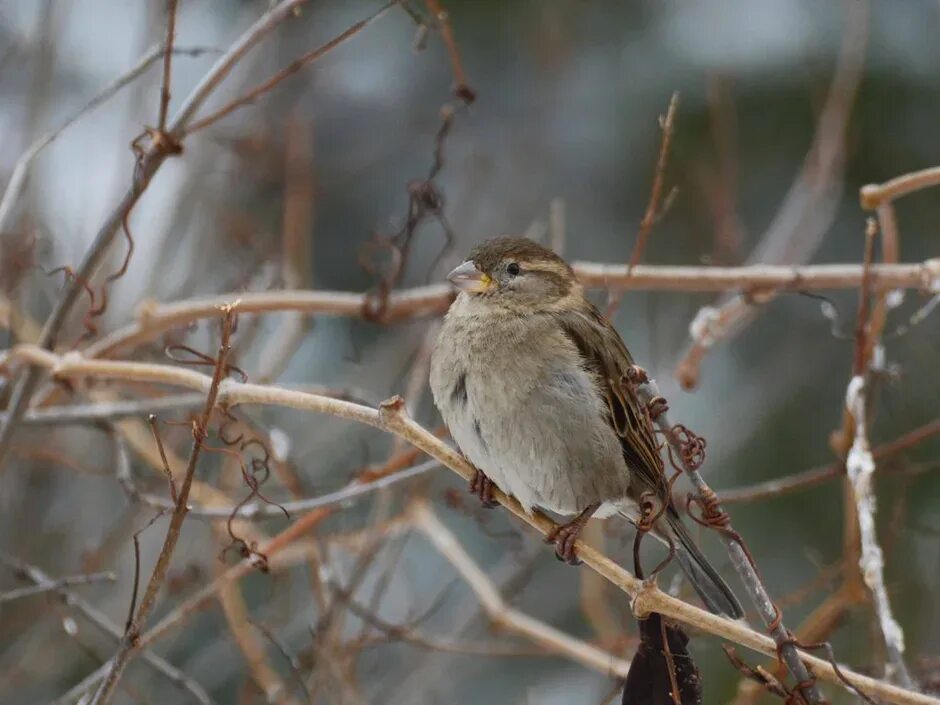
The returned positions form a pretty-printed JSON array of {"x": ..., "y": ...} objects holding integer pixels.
[
  {"x": 390, "y": 417},
  {"x": 131, "y": 637}
]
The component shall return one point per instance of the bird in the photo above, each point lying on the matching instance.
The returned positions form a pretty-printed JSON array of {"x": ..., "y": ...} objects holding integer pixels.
[{"x": 534, "y": 386}]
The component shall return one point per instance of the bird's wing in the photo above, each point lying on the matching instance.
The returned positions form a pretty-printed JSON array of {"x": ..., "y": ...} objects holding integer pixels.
[{"x": 605, "y": 354}]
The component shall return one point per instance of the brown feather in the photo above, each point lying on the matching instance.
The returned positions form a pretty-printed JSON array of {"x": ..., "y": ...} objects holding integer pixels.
[{"x": 605, "y": 353}]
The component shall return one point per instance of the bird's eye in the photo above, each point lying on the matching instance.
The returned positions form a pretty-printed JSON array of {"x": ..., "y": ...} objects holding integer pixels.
[{"x": 513, "y": 269}]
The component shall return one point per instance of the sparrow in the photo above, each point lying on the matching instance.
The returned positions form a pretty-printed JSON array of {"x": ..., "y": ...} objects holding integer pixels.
[{"x": 533, "y": 383}]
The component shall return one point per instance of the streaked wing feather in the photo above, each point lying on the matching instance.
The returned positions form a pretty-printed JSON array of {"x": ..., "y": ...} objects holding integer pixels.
[{"x": 605, "y": 354}]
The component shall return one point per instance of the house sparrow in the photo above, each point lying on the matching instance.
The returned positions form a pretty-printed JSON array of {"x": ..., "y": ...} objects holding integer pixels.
[{"x": 532, "y": 383}]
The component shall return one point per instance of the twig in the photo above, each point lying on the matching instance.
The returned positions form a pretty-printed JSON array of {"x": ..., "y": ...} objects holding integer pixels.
[
  {"x": 144, "y": 170},
  {"x": 462, "y": 87},
  {"x": 130, "y": 640},
  {"x": 289, "y": 70},
  {"x": 873, "y": 195},
  {"x": 390, "y": 417},
  {"x": 171, "y": 6},
  {"x": 815, "y": 476},
  {"x": 740, "y": 557},
  {"x": 260, "y": 510},
  {"x": 862, "y": 348},
  {"x": 653, "y": 207},
  {"x": 58, "y": 584},
  {"x": 108, "y": 411}
]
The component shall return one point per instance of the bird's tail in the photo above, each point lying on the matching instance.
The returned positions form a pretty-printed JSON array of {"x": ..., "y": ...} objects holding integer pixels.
[{"x": 714, "y": 591}]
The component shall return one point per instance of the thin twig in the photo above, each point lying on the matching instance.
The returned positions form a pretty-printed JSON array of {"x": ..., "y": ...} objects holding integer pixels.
[
  {"x": 814, "y": 476},
  {"x": 653, "y": 207},
  {"x": 71, "y": 581},
  {"x": 462, "y": 87},
  {"x": 260, "y": 510},
  {"x": 171, "y": 6},
  {"x": 289, "y": 70},
  {"x": 130, "y": 640}
]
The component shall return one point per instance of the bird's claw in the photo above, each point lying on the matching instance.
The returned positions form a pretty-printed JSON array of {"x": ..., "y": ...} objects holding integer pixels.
[
  {"x": 564, "y": 537},
  {"x": 482, "y": 487}
]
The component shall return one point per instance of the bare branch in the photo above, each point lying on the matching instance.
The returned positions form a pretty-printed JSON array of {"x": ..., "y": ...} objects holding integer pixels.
[{"x": 390, "y": 417}]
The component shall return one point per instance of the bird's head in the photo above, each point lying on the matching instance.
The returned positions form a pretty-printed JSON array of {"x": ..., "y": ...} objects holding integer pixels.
[{"x": 515, "y": 272}]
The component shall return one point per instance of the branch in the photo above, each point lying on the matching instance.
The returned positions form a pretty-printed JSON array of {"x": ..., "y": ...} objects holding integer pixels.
[
  {"x": 809, "y": 208},
  {"x": 390, "y": 417},
  {"x": 502, "y": 615},
  {"x": 21, "y": 168},
  {"x": 759, "y": 278},
  {"x": 154, "y": 319}
]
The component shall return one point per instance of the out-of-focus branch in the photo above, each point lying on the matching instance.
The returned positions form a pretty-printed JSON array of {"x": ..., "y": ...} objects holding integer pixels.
[
  {"x": 502, "y": 615},
  {"x": 171, "y": 6},
  {"x": 261, "y": 510},
  {"x": 102, "y": 622},
  {"x": 154, "y": 319},
  {"x": 21, "y": 168},
  {"x": 51, "y": 585},
  {"x": 461, "y": 86},
  {"x": 390, "y": 417},
  {"x": 147, "y": 165},
  {"x": 809, "y": 207},
  {"x": 653, "y": 208},
  {"x": 814, "y": 476}
]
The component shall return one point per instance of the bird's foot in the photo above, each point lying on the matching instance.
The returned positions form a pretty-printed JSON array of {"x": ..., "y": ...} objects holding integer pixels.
[
  {"x": 564, "y": 536},
  {"x": 482, "y": 487}
]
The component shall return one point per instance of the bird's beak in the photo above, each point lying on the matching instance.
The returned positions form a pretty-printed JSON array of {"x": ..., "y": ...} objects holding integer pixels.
[{"x": 467, "y": 277}]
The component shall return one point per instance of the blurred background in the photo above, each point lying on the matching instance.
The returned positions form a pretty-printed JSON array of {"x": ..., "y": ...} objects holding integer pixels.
[{"x": 787, "y": 107}]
